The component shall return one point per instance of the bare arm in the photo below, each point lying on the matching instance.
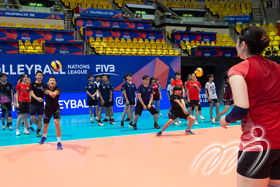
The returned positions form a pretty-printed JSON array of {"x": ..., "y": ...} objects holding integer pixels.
[
  {"x": 151, "y": 99},
  {"x": 180, "y": 104},
  {"x": 12, "y": 98},
  {"x": 141, "y": 100},
  {"x": 206, "y": 92},
  {"x": 111, "y": 94},
  {"x": 168, "y": 94},
  {"x": 125, "y": 96},
  {"x": 100, "y": 95},
  {"x": 239, "y": 91},
  {"x": 16, "y": 98},
  {"x": 159, "y": 92}
]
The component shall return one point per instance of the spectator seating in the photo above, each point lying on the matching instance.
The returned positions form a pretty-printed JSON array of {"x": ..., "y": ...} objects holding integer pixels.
[
  {"x": 30, "y": 48},
  {"x": 121, "y": 3},
  {"x": 121, "y": 46},
  {"x": 229, "y": 8},
  {"x": 100, "y": 4},
  {"x": 31, "y": 26},
  {"x": 180, "y": 4}
]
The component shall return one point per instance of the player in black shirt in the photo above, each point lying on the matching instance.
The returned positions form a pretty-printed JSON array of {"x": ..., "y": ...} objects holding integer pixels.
[
  {"x": 52, "y": 108},
  {"x": 37, "y": 101},
  {"x": 178, "y": 110},
  {"x": 92, "y": 99},
  {"x": 6, "y": 101}
]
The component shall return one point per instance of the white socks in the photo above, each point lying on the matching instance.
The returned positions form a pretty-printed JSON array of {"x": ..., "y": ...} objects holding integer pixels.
[
  {"x": 58, "y": 139},
  {"x": 45, "y": 135}
]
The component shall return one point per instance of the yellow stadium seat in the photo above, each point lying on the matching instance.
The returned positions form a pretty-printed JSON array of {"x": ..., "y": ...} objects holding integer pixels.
[
  {"x": 18, "y": 25},
  {"x": 3, "y": 24},
  {"x": 159, "y": 45},
  {"x": 141, "y": 40},
  {"x": 164, "y": 52},
  {"x": 116, "y": 51},
  {"x": 128, "y": 40},
  {"x": 136, "y": 45},
  {"x": 11, "y": 25},
  {"x": 100, "y": 50},
  {"x": 25, "y": 25},
  {"x": 40, "y": 26},
  {"x": 147, "y": 52},
  {"x": 141, "y": 52},
  {"x": 207, "y": 44},
  {"x": 177, "y": 53},
  {"x": 123, "y": 40},
  {"x": 152, "y": 41},
  {"x": 122, "y": 51},
  {"x": 47, "y": 26},
  {"x": 54, "y": 27},
  {"x": 142, "y": 45},
  {"x": 134, "y": 51},
  {"x": 202, "y": 43},
  {"x": 33, "y": 26},
  {"x": 128, "y": 51},
  {"x": 98, "y": 39},
  {"x": 171, "y": 52},
  {"x": 159, "y": 52},
  {"x": 212, "y": 43},
  {"x": 147, "y": 41},
  {"x": 154, "y": 52},
  {"x": 109, "y": 51},
  {"x": 30, "y": 50},
  {"x": 60, "y": 27}
]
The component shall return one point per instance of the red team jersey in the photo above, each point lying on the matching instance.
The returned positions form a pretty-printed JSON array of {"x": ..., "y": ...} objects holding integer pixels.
[
  {"x": 177, "y": 83},
  {"x": 193, "y": 92},
  {"x": 23, "y": 92},
  {"x": 263, "y": 81},
  {"x": 155, "y": 89}
]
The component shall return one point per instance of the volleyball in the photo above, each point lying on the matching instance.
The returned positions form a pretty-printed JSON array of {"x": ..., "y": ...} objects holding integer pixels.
[
  {"x": 198, "y": 72},
  {"x": 55, "y": 66}
]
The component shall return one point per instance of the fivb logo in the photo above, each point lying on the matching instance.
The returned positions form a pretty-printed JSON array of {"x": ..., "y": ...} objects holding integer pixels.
[
  {"x": 107, "y": 69},
  {"x": 120, "y": 103},
  {"x": 255, "y": 145}
]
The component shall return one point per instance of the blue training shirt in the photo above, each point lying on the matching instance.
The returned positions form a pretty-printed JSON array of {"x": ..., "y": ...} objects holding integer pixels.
[
  {"x": 130, "y": 90},
  {"x": 145, "y": 93},
  {"x": 105, "y": 89},
  {"x": 91, "y": 88}
]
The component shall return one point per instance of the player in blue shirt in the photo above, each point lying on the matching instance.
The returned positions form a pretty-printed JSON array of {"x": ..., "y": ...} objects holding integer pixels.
[
  {"x": 145, "y": 99},
  {"x": 129, "y": 92},
  {"x": 92, "y": 100},
  {"x": 105, "y": 93}
]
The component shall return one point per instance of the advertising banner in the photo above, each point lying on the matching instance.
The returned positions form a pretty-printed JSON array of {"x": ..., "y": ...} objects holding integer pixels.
[
  {"x": 32, "y": 15},
  {"x": 8, "y": 47},
  {"x": 209, "y": 51},
  {"x": 105, "y": 13},
  {"x": 63, "y": 48}
]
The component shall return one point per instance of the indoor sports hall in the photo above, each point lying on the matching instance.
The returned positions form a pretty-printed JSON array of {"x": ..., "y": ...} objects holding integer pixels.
[{"x": 120, "y": 93}]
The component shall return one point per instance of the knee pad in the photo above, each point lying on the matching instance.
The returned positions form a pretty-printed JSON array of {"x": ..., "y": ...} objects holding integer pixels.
[
  {"x": 273, "y": 185},
  {"x": 3, "y": 113}
]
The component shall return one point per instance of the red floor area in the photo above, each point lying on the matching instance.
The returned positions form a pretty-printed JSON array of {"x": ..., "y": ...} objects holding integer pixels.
[{"x": 125, "y": 161}]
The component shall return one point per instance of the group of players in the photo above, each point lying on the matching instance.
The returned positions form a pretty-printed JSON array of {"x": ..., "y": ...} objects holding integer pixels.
[{"x": 29, "y": 99}]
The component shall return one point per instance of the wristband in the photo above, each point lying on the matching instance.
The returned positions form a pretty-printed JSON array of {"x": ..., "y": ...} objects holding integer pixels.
[{"x": 236, "y": 114}]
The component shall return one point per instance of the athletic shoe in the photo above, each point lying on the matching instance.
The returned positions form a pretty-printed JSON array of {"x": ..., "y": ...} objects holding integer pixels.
[
  {"x": 122, "y": 124},
  {"x": 156, "y": 126},
  {"x": 189, "y": 132},
  {"x": 17, "y": 132},
  {"x": 196, "y": 123},
  {"x": 213, "y": 120},
  {"x": 59, "y": 146},
  {"x": 26, "y": 131},
  {"x": 202, "y": 118},
  {"x": 112, "y": 122},
  {"x": 175, "y": 123},
  {"x": 159, "y": 133},
  {"x": 168, "y": 114},
  {"x": 38, "y": 134},
  {"x": 91, "y": 120},
  {"x": 135, "y": 127},
  {"x": 11, "y": 127},
  {"x": 130, "y": 124},
  {"x": 100, "y": 124},
  {"x": 160, "y": 114},
  {"x": 178, "y": 120},
  {"x": 3, "y": 127},
  {"x": 43, "y": 139},
  {"x": 105, "y": 120},
  {"x": 30, "y": 128},
  {"x": 127, "y": 119}
]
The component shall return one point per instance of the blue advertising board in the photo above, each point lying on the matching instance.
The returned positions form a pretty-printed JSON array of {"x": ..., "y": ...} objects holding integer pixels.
[
  {"x": 122, "y": 33},
  {"x": 176, "y": 37},
  {"x": 64, "y": 48},
  {"x": 209, "y": 51},
  {"x": 73, "y": 75},
  {"x": 9, "y": 47},
  {"x": 232, "y": 19},
  {"x": 15, "y": 34},
  {"x": 112, "y": 23},
  {"x": 104, "y": 13},
  {"x": 32, "y": 15}
]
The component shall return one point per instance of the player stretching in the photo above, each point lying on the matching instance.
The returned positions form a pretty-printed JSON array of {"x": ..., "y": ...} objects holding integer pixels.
[{"x": 52, "y": 108}]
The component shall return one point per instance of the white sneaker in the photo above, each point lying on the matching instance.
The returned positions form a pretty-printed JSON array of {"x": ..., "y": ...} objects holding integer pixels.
[
  {"x": 178, "y": 120},
  {"x": 17, "y": 132},
  {"x": 202, "y": 118},
  {"x": 26, "y": 131},
  {"x": 100, "y": 124},
  {"x": 213, "y": 120},
  {"x": 160, "y": 114},
  {"x": 196, "y": 123},
  {"x": 175, "y": 123}
]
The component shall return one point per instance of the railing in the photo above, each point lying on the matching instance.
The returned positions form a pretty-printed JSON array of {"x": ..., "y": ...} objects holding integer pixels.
[{"x": 23, "y": 8}]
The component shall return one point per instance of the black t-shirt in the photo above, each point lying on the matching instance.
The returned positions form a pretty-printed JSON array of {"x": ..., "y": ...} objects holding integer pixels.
[
  {"x": 38, "y": 89},
  {"x": 5, "y": 92},
  {"x": 52, "y": 104},
  {"x": 174, "y": 106}
]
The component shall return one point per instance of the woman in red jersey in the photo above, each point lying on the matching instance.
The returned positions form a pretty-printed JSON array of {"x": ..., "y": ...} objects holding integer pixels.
[{"x": 255, "y": 84}]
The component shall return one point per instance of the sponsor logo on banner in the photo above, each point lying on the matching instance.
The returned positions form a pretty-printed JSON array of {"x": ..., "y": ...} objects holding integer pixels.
[
  {"x": 106, "y": 69},
  {"x": 119, "y": 102},
  {"x": 2, "y": 13},
  {"x": 206, "y": 38},
  {"x": 63, "y": 50},
  {"x": 186, "y": 37},
  {"x": 140, "y": 26},
  {"x": 25, "y": 36},
  {"x": 126, "y": 35},
  {"x": 152, "y": 36},
  {"x": 206, "y": 53},
  {"x": 89, "y": 23},
  {"x": 227, "y": 53},
  {"x": 59, "y": 37},
  {"x": 99, "y": 33},
  {"x": 116, "y": 25}
]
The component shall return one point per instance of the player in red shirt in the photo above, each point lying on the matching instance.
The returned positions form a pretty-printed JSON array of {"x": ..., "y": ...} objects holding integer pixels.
[
  {"x": 255, "y": 84},
  {"x": 156, "y": 94},
  {"x": 177, "y": 82},
  {"x": 22, "y": 103},
  {"x": 193, "y": 88}
]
